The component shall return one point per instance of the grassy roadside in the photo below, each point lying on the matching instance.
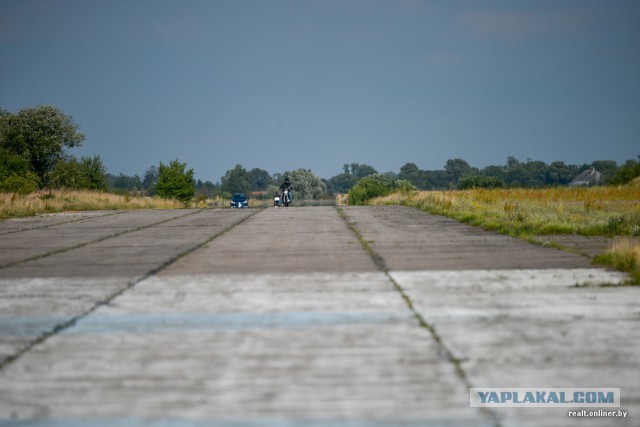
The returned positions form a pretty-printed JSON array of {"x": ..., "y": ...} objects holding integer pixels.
[
  {"x": 525, "y": 213},
  {"x": 623, "y": 255},
  {"x": 14, "y": 205}
]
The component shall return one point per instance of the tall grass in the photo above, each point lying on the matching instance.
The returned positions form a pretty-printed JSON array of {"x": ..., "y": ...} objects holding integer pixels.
[
  {"x": 623, "y": 255},
  {"x": 602, "y": 211},
  {"x": 14, "y": 205},
  {"x": 586, "y": 211}
]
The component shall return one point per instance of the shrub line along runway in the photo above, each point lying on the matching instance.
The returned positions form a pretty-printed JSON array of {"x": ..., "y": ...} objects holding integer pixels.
[{"x": 361, "y": 316}]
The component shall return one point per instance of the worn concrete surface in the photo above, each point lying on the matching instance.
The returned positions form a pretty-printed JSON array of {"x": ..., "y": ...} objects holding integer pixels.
[
  {"x": 408, "y": 239},
  {"x": 532, "y": 328},
  {"x": 286, "y": 320},
  {"x": 586, "y": 245},
  {"x": 40, "y": 294}
]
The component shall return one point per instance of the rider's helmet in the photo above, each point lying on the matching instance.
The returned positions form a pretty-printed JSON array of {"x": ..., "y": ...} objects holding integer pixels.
[{"x": 286, "y": 180}]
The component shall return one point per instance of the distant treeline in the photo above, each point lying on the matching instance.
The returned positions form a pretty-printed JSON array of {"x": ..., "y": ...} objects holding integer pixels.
[
  {"x": 515, "y": 173},
  {"x": 457, "y": 173},
  {"x": 33, "y": 156}
]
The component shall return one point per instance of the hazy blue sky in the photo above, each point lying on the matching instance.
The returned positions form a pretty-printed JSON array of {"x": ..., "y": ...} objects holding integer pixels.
[{"x": 315, "y": 84}]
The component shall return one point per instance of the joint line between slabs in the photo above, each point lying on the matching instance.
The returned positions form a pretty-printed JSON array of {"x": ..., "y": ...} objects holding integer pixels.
[
  {"x": 72, "y": 321},
  {"x": 61, "y": 223},
  {"x": 100, "y": 239},
  {"x": 382, "y": 266}
]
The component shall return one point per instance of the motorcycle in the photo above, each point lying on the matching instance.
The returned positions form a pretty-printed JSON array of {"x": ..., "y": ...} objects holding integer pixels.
[{"x": 286, "y": 197}]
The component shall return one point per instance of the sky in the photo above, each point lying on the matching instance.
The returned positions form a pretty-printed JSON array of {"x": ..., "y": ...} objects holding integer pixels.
[{"x": 315, "y": 84}]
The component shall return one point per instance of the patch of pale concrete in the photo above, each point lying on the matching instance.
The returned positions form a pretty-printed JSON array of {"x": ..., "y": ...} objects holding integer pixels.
[
  {"x": 243, "y": 350},
  {"x": 54, "y": 296},
  {"x": 32, "y": 307},
  {"x": 260, "y": 292},
  {"x": 505, "y": 280},
  {"x": 535, "y": 328}
]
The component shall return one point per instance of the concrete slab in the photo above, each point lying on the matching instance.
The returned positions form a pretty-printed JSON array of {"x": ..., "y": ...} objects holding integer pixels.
[
  {"x": 132, "y": 251},
  {"x": 588, "y": 245},
  {"x": 41, "y": 241},
  {"x": 309, "y": 350},
  {"x": 295, "y": 240},
  {"x": 38, "y": 296},
  {"x": 409, "y": 239},
  {"x": 535, "y": 328},
  {"x": 15, "y": 225}
]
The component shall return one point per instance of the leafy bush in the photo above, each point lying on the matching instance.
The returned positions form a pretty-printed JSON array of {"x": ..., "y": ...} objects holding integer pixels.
[
  {"x": 16, "y": 175},
  {"x": 478, "y": 181},
  {"x": 377, "y": 185},
  {"x": 175, "y": 182},
  {"x": 236, "y": 180},
  {"x": 305, "y": 185},
  {"x": 88, "y": 173},
  {"x": 626, "y": 173},
  {"x": 19, "y": 184}
]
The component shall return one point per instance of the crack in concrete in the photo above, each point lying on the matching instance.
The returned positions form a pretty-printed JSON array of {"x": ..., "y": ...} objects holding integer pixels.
[
  {"x": 109, "y": 299},
  {"x": 382, "y": 266},
  {"x": 61, "y": 223},
  {"x": 100, "y": 239}
]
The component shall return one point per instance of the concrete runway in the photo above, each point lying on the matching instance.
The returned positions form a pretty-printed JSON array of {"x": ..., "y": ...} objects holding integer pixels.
[{"x": 357, "y": 316}]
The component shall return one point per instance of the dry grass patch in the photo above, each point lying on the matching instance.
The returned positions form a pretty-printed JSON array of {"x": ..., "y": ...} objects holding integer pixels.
[
  {"x": 623, "y": 255},
  {"x": 14, "y": 205},
  {"x": 586, "y": 211},
  {"x": 596, "y": 211}
]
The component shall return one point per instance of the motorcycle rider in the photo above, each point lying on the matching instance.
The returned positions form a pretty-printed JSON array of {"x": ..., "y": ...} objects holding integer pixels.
[{"x": 286, "y": 185}]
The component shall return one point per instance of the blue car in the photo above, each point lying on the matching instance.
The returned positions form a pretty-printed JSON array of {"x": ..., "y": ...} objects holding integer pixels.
[{"x": 239, "y": 200}]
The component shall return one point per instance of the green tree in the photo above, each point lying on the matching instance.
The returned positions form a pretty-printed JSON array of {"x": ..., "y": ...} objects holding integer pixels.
[
  {"x": 607, "y": 168},
  {"x": 236, "y": 180},
  {"x": 359, "y": 170},
  {"x": 559, "y": 173},
  {"x": 409, "y": 171},
  {"x": 455, "y": 169},
  {"x": 15, "y": 174},
  {"x": 124, "y": 182},
  {"x": 150, "y": 181},
  {"x": 207, "y": 189},
  {"x": 479, "y": 181},
  {"x": 341, "y": 183},
  {"x": 39, "y": 135},
  {"x": 625, "y": 173},
  {"x": 88, "y": 173},
  {"x": 517, "y": 176},
  {"x": 175, "y": 181},
  {"x": 516, "y": 173},
  {"x": 413, "y": 174},
  {"x": 538, "y": 172},
  {"x": 435, "y": 179},
  {"x": 305, "y": 184},
  {"x": 493, "y": 170},
  {"x": 377, "y": 185},
  {"x": 95, "y": 173},
  {"x": 259, "y": 179}
]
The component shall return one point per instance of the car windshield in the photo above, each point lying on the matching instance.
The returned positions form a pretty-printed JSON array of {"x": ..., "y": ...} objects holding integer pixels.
[{"x": 238, "y": 198}]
